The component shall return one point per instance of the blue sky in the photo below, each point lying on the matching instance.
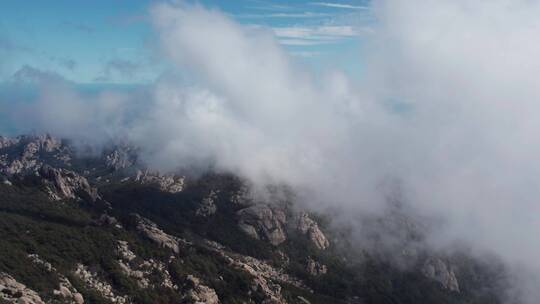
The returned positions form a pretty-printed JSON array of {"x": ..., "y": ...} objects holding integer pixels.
[{"x": 113, "y": 42}]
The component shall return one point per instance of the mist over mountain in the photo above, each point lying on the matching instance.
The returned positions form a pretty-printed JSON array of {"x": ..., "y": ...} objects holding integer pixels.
[{"x": 441, "y": 126}]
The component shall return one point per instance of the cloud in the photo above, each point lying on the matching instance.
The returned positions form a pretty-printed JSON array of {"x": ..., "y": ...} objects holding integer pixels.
[
  {"x": 285, "y": 15},
  {"x": 269, "y": 6},
  {"x": 304, "y": 35},
  {"x": 59, "y": 107},
  {"x": 30, "y": 75},
  {"x": 340, "y": 5}
]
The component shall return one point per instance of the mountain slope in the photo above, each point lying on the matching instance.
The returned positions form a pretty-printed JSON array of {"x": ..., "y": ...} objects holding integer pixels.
[{"x": 103, "y": 229}]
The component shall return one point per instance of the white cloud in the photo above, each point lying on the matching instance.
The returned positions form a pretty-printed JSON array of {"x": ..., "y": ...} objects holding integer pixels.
[
  {"x": 304, "y": 35},
  {"x": 340, "y": 5},
  {"x": 285, "y": 15}
]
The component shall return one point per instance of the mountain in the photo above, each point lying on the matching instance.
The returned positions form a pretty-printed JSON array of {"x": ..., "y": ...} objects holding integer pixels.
[{"x": 79, "y": 227}]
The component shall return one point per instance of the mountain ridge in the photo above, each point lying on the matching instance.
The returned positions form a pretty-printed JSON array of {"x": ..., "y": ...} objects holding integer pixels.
[{"x": 102, "y": 228}]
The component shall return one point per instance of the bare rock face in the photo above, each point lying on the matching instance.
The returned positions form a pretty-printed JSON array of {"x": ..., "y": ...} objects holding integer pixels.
[
  {"x": 65, "y": 289},
  {"x": 38, "y": 261},
  {"x": 78, "y": 298},
  {"x": 263, "y": 222},
  {"x": 12, "y": 291},
  {"x": 120, "y": 158},
  {"x": 45, "y": 143},
  {"x": 107, "y": 220},
  {"x": 310, "y": 228},
  {"x": 315, "y": 268},
  {"x": 436, "y": 269},
  {"x": 168, "y": 182},
  {"x": 66, "y": 184},
  {"x": 92, "y": 281},
  {"x": 207, "y": 206},
  {"x": 48, "y": 143},
  {"x": 30, "y": 147},
  {"x": 199, "y": 293},
  {"x": 151, "y": 231},
  {"x": 265, "y": 278},
  {"x": 270, "y": 290},
  {"x": 6, "y": 142},
  {"x": 68, "y": 292},
  {"x": 147, "y": 273}
]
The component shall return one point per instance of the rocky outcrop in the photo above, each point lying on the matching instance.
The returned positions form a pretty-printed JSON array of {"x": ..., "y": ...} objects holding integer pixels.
[
  {"x": 92, "y": 281},
  {"x": 6, "y": 142},
  {"x": 121, "y": 157},
  {"x": 38, "y": 261},
  {"x": 198, "y": 293},
  {"x": 310, "y": 228},
  {"x": 168, "y": 182},
  {"x": 12, "y": 291},
  {"x": 46, "y": 143},
  {"x": 68, "y": 292},
  {"x": 436, "y": 269},
  {"x": 25, "y": 153},
  {"x": 265, "y": 279},
  {"x": 147, "y": 273},
  {"x": 263, "y": 222},
  {"x": 65, "y": 184},
  {"x": 207, "y": 206},
  {"x": 65, "y": 289},
  {"x": 151, "y": 231},
  {"x": 19, "y": 165},
  {"x": 270, "y": 223},
  {"x": 315, "y": 268},
  {"x": 107, "y": 220}
]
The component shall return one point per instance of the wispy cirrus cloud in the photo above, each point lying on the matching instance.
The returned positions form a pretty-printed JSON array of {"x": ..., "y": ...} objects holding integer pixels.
[
  {"x": 285, "y": 15},
  {"x": 305, "y": 35},
  {"x": 340, "y": 5},
  {"x": 268, "y": 6}
]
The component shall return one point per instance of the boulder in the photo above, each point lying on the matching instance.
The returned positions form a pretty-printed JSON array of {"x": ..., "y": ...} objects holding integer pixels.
[
  {"x": 315, "y": 268},
  {"x": 167, "y": 182},
  {"x": 66, "y": 184},
  {"x": 15, "y": 292},
  {"x": 198, "y": 293},
  {"x": 120, "y": 158},
  {"x": 307, "y": 226},
  {"x": 263, "y": 222},
  {"x": 151, "y": 231}
]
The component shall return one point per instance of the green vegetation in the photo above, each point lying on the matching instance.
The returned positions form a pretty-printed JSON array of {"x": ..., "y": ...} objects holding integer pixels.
[{"x": 66, "y": 233}]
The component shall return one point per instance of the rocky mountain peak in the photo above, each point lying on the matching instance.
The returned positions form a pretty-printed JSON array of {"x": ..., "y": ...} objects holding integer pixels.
[{"x": 65, "y": 184}]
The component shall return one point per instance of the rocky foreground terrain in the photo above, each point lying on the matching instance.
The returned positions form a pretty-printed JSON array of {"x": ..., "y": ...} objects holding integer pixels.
[{"x": 84, "y": 228}]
